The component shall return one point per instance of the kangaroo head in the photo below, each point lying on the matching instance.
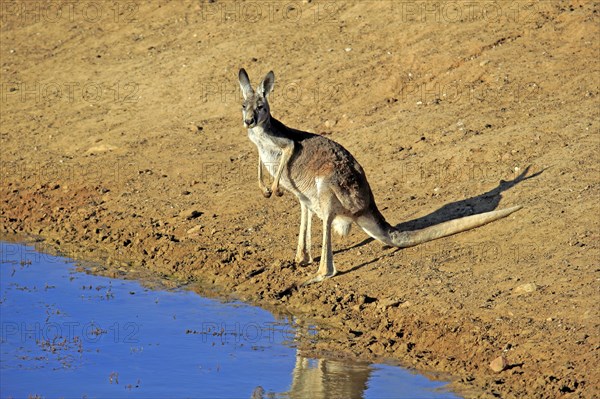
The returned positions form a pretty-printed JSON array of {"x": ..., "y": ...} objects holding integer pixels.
[{"x": 255, "y": 108}]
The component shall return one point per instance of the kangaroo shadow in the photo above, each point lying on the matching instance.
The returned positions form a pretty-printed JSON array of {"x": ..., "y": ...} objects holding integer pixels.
[{"x": 485, "y": 202}]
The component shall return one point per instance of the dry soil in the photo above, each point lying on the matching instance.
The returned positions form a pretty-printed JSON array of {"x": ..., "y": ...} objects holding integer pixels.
[{"x": 122, "y": 141}]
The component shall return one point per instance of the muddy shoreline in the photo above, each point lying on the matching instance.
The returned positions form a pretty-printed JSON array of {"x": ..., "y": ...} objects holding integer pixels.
[
  {"x": 367, "y": 322},
  {"x": 122, "y": 143}
]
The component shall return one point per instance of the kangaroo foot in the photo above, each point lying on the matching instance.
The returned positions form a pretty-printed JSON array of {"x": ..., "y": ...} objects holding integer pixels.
[{"x": 316, "y": 279}]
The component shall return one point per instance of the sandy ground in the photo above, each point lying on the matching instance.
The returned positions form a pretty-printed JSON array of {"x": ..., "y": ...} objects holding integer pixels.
[{"x": 122, "y": 141}]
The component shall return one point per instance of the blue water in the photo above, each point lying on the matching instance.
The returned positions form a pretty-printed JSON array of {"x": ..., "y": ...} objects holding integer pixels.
[{"x": 65, "y": 333}]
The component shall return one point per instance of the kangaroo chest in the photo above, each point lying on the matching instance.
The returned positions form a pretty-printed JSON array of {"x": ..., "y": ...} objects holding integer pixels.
[{"x": 268, "y": 150}]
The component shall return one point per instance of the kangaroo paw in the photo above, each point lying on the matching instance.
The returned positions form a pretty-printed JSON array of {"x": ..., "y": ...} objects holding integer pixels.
[
  {"x": 267, "y": 193},
  {"x": 313, "y": 280},
  {"x": 275, "y": 189},
  {"x": 316, "y": 279}
]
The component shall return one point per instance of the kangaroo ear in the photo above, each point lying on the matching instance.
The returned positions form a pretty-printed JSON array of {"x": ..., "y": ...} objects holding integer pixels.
[
  {"x": 266, "y": 86},
  {"x": 245, "y": 84}
]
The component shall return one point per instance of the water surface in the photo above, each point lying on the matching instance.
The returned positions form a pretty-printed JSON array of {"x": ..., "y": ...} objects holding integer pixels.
[{"x": 66, "y": 333}]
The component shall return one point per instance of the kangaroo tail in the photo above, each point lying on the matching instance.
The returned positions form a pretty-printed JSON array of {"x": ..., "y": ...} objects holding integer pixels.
[{"x": 375, "y": 225}]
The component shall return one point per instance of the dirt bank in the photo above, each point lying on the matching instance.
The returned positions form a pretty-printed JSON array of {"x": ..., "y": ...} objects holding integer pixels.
[{"x": 121, "y": 139}]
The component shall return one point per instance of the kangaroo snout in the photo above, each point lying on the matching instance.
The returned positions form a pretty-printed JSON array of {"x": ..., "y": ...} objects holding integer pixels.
[{"x": 249, "y": 123}]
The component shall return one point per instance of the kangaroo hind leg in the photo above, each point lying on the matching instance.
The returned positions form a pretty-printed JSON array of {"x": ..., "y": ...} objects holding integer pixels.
[
  {"x": 326, "y": 266},
  {"x": 303, "y": 252}
]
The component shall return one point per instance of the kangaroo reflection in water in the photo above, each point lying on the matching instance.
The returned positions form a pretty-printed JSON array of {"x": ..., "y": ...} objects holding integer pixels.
[{"x": 324, "y": 378}]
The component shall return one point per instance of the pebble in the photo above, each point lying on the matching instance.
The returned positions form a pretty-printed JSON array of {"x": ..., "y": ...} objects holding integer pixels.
[
  {"x": 348, "y": 298},
  {"x": 498, "y": 364},
  {"x": 100, "y": 149},
  {"x": 525, "y": 288},
  {"x": 194, "y": 229},
  {"x": 389, "y": 303}
]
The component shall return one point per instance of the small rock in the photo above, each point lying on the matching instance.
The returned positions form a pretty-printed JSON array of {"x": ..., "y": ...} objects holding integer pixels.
[
  {"x": 98, "y": 149},
  {"x": 194, "y": 230},
  {"x": 377, "y": 347},
  {"x": 357, "y": 308},
  {"x": 348, "y": 298},
  {"x": 525, "y": 288},
  {"x": 498, "y": 364},
  {"x": 484, "y": 62},
  {"x": 329, "y": 123},
  {"x": 389, "y": 303}
]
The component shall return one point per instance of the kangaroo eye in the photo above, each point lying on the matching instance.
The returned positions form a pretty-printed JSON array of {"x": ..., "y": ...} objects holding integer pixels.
[
  {"x": 260, "y": 106},
  {"x": 243, "y": 106}
]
